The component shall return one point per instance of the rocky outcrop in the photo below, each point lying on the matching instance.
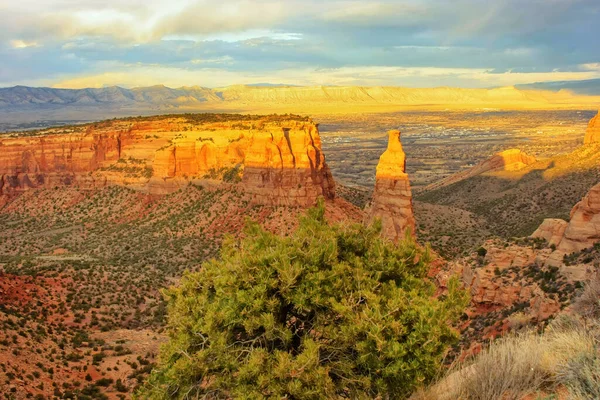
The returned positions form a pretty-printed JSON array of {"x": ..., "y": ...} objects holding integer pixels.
[
  {"x": 392, "y": 198},
  {"x": 592, "y": 134},
  {"x": 30, "y": 162},
  {"x": 551, "y": 230},
  {"x": 280, "y": 161},
  {"x": 489, "y": 290},
  {"x": 507, "y": 160},
  {"x": 287, "y": 167},
  {"x": 508, "y": 290},
  {"x": 583, "y": 230},
  {"x": 501, "y": 257}
]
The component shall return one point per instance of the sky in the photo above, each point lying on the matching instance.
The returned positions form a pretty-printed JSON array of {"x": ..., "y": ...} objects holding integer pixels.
[{"x": 215, "y": 43}]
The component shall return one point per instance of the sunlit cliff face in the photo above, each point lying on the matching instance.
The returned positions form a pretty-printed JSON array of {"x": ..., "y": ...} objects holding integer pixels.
[
  {"x": 278, "y": 162},
  {"x": 592, "y": 134},
  {"x": 514, "y": 159},
  {"x": 392, "y": 163},
  {"x": 392, "y": 197}
]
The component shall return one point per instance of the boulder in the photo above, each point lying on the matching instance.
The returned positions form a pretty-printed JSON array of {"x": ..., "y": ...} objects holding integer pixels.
[{"x": 551, "y": 230}]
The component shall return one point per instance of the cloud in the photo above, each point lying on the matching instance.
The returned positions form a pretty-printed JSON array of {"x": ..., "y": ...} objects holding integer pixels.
[
  {"x": 492, "y": 42},
  {"x": 147, "y": 75},
  {"x": 209, "y": 17},
  {"x": 22, "y": 44},
  {"x": 141, "y": 22}
]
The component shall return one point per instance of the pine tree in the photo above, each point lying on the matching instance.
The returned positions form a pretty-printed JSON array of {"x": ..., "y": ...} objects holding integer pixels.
[{"x": 329, "y": 312}]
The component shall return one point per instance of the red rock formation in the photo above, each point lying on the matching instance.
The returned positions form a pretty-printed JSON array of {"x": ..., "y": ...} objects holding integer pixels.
[
  {"x": 281, "y": 160},
  {"x": 392, "y": 198},
  {"x": 552, "y": 230},
  {"x": 503, "y": 289},
  {"x": 592, "y": 134},
  {"x": 489, "y": 291},
  {"x": 286, "y": 166},
  {"x": 55, "y": 159},
  {"x": 583, "y": 230}
]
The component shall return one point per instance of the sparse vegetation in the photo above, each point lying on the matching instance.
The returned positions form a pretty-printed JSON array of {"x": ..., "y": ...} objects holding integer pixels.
[{"x": 565, "y": 356}]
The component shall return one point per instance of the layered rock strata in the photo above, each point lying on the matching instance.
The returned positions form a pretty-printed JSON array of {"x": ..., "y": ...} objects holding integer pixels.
[
  {"x": 581, "y": 232},
  {"x": 392, "y": 198},
  {"x": 29, "y": 162},
  {"x": 551, "y": 230},
  {"x": 280, "y": 162},
  {"x": 592, "y": 134},
  {"x": 287, "y": 167}
]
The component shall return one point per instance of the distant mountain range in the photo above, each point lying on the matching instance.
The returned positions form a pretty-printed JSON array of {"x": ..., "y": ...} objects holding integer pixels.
[
  {"x": 196, "y": 96},
  {"x": 155, "y": 95},
  {"x": 23, "y": 107}
]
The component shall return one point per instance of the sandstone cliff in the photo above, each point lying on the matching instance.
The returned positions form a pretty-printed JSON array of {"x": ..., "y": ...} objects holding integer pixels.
[
  {"x": 392, "y": 198},
  {"x": 552, "y": 230},
  {"x": 287, "y": 167},
  {"x": 581, "y": 232},
  {"x": 280, "y": 159},
  {"x": 56, "y": 159},
  {"x": 592, "y": 134}
]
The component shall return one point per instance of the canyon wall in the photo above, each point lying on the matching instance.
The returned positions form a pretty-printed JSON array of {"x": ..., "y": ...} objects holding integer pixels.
[
  {"x": 28, "y": 162},
  {"x": 279, "y": 162},
  {"x": 392, "y": 197},
  {"x": 592, "y": 134},
  {"x": 287, "y": 166}
]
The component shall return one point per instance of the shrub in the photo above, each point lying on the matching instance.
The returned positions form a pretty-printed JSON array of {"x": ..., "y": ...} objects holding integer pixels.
[
  {"x": 481, "y": 252},
  {"x": 120, "y": 386},
  {"x": 582, "y": 376},
  {"x": 104, "y": 382},
  {"x": 588, "y": 303},
  {"x": 510, "y": 369},
  {"x": 331, "y": 311},
  {"x": 523, "y": 364},
  {"x": 232, "y": 175}
]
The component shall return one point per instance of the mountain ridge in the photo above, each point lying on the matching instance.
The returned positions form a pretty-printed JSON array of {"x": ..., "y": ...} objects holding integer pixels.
[
  {"x": 190, "y": 96},
  {"x": 23, "y": 107}
]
